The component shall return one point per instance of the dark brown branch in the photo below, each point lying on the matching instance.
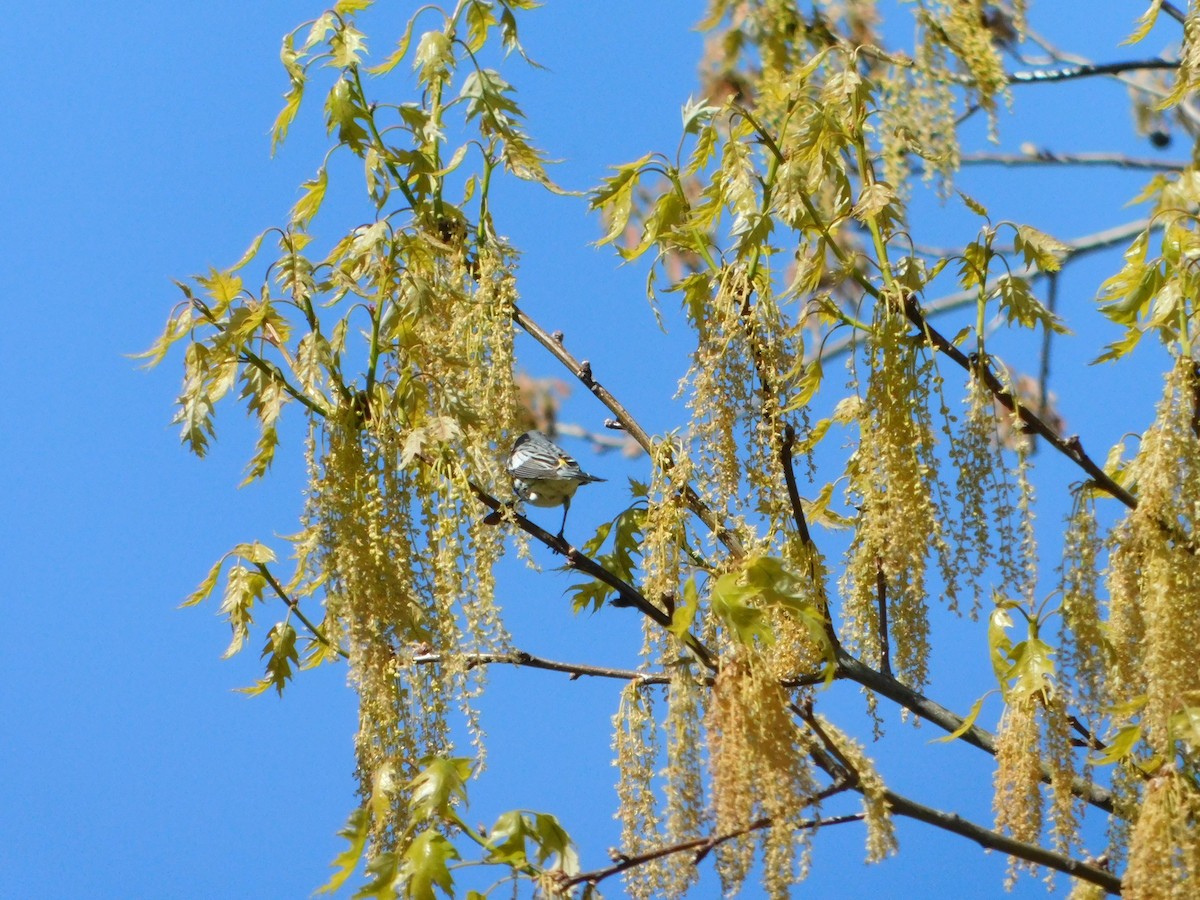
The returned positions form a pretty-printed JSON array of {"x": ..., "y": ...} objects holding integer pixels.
[
  {"x": 992, "y": 840},
  {"x": 1032, "y": 422},
  {"x": 521, "y": 659},
  {"x": 854, "y": 669},
  {"x": 627, "y": 594},
  {"x": 583, "y": 371},
  {"x": 789, "y": 478},
  {"x": 1041, "y": 157},
  {"x": 1089, "y": 70},
  {"x": 701, "y": 847}
]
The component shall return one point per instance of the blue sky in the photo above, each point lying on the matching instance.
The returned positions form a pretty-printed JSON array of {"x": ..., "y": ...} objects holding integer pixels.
[{"x": 136, "y": 152}]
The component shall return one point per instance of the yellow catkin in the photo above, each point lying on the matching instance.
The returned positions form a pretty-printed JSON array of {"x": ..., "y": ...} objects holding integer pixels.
[
  {"x": 893, "y": 482},
  {"x": 881, "y": 831},
  {"x": 1154, "y": 577},
  {"x": 393, "y": 523},
  {"x": 1154, "y": 587},
  {"x": 1018, "y": 789},
  {"x": 683, "y": 784},
  {"x": 760, "y": 770},
  {"x": 1064, "y": 807},
  {"x": 663, "y": 543},
  {"x": 1083, "y": 636},
  {"x": 1163, "y": 859},
  {"x": 635, "y": 743}
]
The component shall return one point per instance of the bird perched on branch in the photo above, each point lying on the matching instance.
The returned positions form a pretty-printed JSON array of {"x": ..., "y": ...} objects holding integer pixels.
[{"x": 544, "y": 474}]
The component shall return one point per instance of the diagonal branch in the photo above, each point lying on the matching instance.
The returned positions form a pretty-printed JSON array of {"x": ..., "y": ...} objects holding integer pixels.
[
  {"x": 1041, "y": 157},
  {"x": 992, "y": 840},
  {"x": 1089, "y": 70},
  {"x": 1070, "y": 447},
  {"x": 582, "y": 370},
  {"x": 833, "y": 763},
  {"x": 522, "y": 659},
  {"x": 294, "y": 605},
  {"x": 854, "y": 669},
  {"x": 701, "y": 847},
  {"x": 627, "y": 594}
]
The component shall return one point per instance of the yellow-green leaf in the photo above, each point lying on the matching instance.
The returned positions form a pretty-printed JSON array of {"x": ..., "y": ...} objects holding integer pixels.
[
  {"x": 398, "y": 54},
  {"x": 355, "y": 832},
  {"x": 204, "y": 591},
  {"x": 439, "y": 787},
  {"x": 314, "y": 193},
  {"x": 424, "y": 866},
  {"x": 254, "y": 552},
  {"x": 1040, "y": 249},
  {"x": 965, "y": 726},
  {"x": 1120, "y": 746},
  {"x": 685, "y": 611}
]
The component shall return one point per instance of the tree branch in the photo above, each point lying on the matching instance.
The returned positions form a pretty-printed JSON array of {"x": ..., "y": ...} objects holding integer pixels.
[
  {"x": 522, "y": 659},
  {"x": 789, "y": 478},
  {"x": 1174, "y": 12},
  {"x": 627, "y": 594},
  {"x": 1070, "y": 447},
  {"x": 700, "y": 846},
  {"x": 993, "y": 840},
  {"x": 854, "y": 669},
  {"x": 1043, "y": 157},
  {"x": 1089, "y": 70},
  {"x": 583, "y": 371},
  {"x": 294, "y": 606},
  {"x": 831, "y": 760}
]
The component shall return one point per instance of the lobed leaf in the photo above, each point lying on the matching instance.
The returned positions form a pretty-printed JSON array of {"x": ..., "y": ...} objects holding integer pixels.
[
  {"x": 439, "y": 787},
  {"x": 355, "y": 832},
  {"x": 423, "y": 866}
]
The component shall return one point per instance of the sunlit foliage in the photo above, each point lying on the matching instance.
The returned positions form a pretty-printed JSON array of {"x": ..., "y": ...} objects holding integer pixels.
[{"x": 779, "y": 226}]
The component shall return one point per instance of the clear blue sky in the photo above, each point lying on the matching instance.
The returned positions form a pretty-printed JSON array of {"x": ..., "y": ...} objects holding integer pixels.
[{"x": 136, "y": 150}]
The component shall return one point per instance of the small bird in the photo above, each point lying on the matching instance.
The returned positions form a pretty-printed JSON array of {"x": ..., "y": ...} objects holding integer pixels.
[{"x": 544, "y": 474}]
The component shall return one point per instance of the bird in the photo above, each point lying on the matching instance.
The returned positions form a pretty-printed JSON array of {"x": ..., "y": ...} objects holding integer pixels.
[{"x": 544, "y": 474}]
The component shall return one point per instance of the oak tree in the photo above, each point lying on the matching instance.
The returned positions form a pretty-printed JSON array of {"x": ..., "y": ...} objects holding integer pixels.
[{"x": 853, "y": 457}]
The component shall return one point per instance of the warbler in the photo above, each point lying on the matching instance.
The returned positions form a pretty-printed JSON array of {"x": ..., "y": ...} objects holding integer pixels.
[{"x": 544, "y": 474}]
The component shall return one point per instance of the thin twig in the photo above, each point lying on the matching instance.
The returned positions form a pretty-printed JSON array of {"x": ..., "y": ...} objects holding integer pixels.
[
  {"x": 294, "y": 606},
  {"x": 522, "y": 659},
  {"x": 1173, "y": 11},
  {"x": 583, "y": 371},
  {"x": 1047, "y": 338},
  {"x": 1041, "y": 157},
  {"x": 627, "y": 594},
  {"x": 701, "y": 847},
  {"x": 249, "y": 357},
  {"x": 885, "y": 653}
]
